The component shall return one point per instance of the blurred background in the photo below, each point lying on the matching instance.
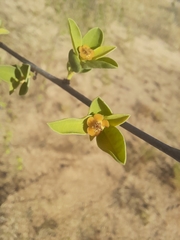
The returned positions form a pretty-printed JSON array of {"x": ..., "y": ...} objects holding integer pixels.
[{"x": 64, "y": 187}]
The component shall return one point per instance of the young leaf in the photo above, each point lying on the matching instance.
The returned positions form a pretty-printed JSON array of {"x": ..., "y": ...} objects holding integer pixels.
[
  {"x": 102, "y": 50},
  {"x": 15, "y": 83},
  {"x": 4, "y": 31},
  {"x": 93, "y": 38},
  {"x": 99, "y": 106},
  {"x": 85, "y": 70},
  {"x": 104, "y": 62},
  {"x": 24, "y": 88},
  {"x": 110, "y": 140},
  {"x": 117, "y": 119},
  {"x": 74, "y": 62},
  {"x": 7, "y": 73},
  {"x": 68, "y": 126},
  {"x": 75, "y": 33},
  {"x": 25, "y": 69},
  {"x": 18, "y": 73}
]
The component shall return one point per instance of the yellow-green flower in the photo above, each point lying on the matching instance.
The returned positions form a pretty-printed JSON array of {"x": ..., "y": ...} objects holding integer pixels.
[
  {"x": 96, "y": 124},
  {"x": 100, "y": 123},
  {"x": 87, "y": 52}
]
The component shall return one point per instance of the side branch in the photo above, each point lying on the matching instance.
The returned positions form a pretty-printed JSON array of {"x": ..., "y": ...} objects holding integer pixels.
[{"x": 172, "y": 152}]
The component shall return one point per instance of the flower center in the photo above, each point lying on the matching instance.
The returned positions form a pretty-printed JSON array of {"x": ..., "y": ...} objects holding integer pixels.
[
  {"x": 86, "y": 53},
  {"x": 96, "y": 124},
  {"x": 97, "y": 127}
]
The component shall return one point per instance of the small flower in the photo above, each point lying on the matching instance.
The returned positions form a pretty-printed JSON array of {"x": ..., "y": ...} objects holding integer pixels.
[
  {"x": 86, "y": 53},
  {"x": 96, "y": 124},
  {"x": 99, "y": 123}
]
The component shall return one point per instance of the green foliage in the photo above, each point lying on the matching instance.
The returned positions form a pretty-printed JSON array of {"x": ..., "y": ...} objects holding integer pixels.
[
  {"x": 93, "y": 38},
  {"x": 87, "y": 52},
  {"x": 109, "y": 139},
  {"x": 2, "y": 29},
  {"x": 112, "y": 141},
  {"x": 100, "y": 63},
  {"x": 75, "y": 34},
  {"x": 74, "y": 62},
  {"x": 16, "y": 76},
  {"x": 100, "y": 122},
  {"x": 98, "y": 106},
  {"x": 69, "y": 126},
  {"x": 117, "y": 119},
  {"x": 7, "y": 73},
  {"x": 102, "y": 50}
]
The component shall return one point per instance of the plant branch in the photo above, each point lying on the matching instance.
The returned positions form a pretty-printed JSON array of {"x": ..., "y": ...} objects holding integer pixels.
[{"x": 63, "y": 83}]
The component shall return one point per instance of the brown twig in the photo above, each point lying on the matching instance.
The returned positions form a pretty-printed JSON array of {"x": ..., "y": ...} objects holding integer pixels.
[{"x": 63, "y": 83}]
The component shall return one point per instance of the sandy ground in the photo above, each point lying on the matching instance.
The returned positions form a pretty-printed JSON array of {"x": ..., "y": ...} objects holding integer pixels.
[{"x": 64, "y": 187}]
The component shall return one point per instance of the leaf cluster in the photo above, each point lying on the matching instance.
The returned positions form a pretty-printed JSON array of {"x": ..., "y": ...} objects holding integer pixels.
[
  {"x": 16, "y": 77},
  {"x": 93, "y": 40},
  {"x": 109, "y": 140}
]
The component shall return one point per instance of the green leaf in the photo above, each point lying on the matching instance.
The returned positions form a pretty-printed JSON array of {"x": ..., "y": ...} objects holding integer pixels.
[
  {"x": 93, "y": 38},
  {"x": 111, "y": 141},
  {"x": 15, "y": 83},
  {"x": 24, "y": 88},
  {"x": 25, "y": 69},
  {"x": 99, "y": 106},
  {"x": 69, "y": 126},
  {"x": 85, "y": 70},
  {"x": 4, "y": 31},
  {"x": 117, "y": 119},
  {"x": 18, "y": 73},
  {"x": 22, "y": 72},
  {"x": 7, "y": 73},
  {"x": 104, "y": 62},
  {"x": 75, "y": 33},
  {"x": 74, "y": 62},
  {"x": 102, "y": 50}
]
